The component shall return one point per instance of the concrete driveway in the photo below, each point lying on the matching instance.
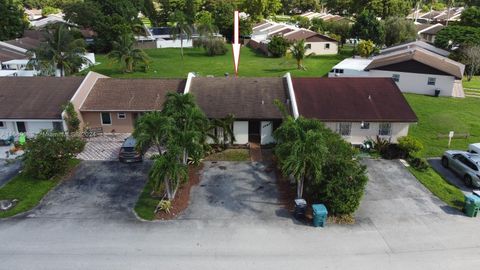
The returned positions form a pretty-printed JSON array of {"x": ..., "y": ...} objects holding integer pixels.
[
  {"x": 243, "y": 191},
  {"x": 8, "y": 169},
  {"x": 96, "y": 190},
  {"x": 394, "y": 196},
  {"x": 449, "y": 175}
]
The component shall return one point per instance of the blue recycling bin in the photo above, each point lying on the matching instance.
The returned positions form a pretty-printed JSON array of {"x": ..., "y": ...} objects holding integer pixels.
[{"x": 320, "y": 214}]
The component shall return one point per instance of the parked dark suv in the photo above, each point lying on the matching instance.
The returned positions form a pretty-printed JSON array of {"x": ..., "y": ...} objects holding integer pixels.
[{"x": 128, "y": 153}]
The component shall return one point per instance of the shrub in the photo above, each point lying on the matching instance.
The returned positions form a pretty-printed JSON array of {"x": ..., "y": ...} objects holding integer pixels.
[
  {"x": 418, "y": 163},
  {"x": 214, "y": 47},
  {"x": 49, "y": 153},
  {"x": 278, "y": 46},
  {"x": 389, "y": 150},
  {"x": 165, "y": 206},
  {"x": 410, "y": 145},
  {"x": 73, "y": 123},
  {"x": 365, "y": 48}
]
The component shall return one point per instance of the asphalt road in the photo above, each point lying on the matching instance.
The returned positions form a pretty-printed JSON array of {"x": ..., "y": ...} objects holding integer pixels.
[
  {"x": 8, "y": 169},
  {"x": 438, "y": 240}
]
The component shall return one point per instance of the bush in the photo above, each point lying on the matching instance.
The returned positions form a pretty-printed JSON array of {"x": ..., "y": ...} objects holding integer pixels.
[
  {"x": 389, "y": 150},
  {"x": 73, "y": 123},
  {"x": 410, "y": 145},
  {"x": 365, "y": 48},
  {"x": 214, "y": 47},
  {"x": 278, "y": 46},
  {"x": 49, "y": 153},
  {"x": 418, "y": 163}
]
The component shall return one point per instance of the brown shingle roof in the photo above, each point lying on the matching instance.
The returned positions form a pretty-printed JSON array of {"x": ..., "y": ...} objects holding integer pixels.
[
  {"x": 422, "y": 56},
  {"x": 434, "y": 30},
  {"x": 7, "y": 54},
  {"x": 245, "y": 98},
  {"x": 130, "y": 94},
  {"x": 307, "y": 35},
  {"x": 352, "y": 100},
  {"x": 35, "y": 97},
  {"x": 25, "y": 43}
]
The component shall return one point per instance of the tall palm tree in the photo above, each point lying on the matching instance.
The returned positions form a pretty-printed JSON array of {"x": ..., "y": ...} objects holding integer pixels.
[
  {"x": 61, "y": 51},
  {"x": 167, "y": 170},
  {"x": 153, "y": 129},
  {"x": 301, "y": 150},
  {"x": 299, "y": 51},
  {"x": 225, "y": 125},
  {"x": 124, "y": 52},
  {"x": 181, "y": 29}
]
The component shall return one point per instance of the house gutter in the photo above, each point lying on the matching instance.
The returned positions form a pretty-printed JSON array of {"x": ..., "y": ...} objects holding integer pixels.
[{"x": 291, "y": 93}]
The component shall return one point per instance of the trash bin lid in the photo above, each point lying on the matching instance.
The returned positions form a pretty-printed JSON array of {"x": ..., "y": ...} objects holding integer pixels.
[
  {"x": 300, "y": 202},
  {"x": 476, "y": 192},
  {"x": 319, "y": 209},
  {"x": 471, "y": 198}
]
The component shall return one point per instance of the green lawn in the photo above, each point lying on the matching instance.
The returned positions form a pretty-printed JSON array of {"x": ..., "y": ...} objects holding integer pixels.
[
  {"x": 441, "y": 115},
  {"x": 167, "y": 63},
  {"x": 474, "y": 83},
  {"x": 230, "y": 155},
  {"x": 146, "y": 204},
  {"x": 28, "y": 191}
]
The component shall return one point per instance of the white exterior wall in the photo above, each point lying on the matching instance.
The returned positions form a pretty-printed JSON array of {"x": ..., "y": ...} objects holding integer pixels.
[
  {"x": 32, "y": 126},
  {"x": 417, "y": 83},
  {"x": 318, "y": 48},
  {"x": 240, "y": 130},
  {"x": 266, "y": 132},
  {"x": 349, "y": 73},
  {"x": 174, "y": 43},
  {"x": 358, "y": 135}
]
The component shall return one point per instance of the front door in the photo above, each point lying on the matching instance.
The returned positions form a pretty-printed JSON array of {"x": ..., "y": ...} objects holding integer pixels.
[
  {"x": 21, "y": 128},
  {"x": 254, "y": 131}
]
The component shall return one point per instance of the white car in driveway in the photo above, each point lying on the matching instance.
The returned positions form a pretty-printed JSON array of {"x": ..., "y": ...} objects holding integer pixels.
[
  {"x": 474, "y": 148},
  {"x": 465, "y": 164}
]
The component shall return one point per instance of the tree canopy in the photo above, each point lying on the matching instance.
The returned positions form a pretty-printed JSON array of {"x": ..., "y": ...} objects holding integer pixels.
[
  {"x": 13, "y": 21},
  {"x": 367, "y": 27},
  {"x": 399, "y": 30}
]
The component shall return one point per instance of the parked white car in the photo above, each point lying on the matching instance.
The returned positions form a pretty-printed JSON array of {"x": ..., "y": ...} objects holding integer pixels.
[{"x": 474, "y": 148}]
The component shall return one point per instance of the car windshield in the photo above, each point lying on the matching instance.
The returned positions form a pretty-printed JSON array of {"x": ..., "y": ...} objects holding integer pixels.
[{"x": 128, "y": 149}]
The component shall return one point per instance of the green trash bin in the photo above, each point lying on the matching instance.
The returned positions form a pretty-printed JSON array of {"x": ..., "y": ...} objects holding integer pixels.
[
  {"x": 320, "y": 214},
  {"x": 472, "y": 205}
]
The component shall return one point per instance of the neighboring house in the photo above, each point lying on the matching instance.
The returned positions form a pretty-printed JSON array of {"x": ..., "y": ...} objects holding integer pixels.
[
  {"x": 356, "y": 108},
  {"x": 317, "y": 43},
  {"x": 327, "y": 17},
  {"x": 28, "y": 105},
  {"x": 48, "y": 20},
  {"x": 443, "y": 16},
  {"x": 415, "y": 45},
  {"x": 249, "y": 100},
  {"x": 114, "y": 104},
  {"x": 429, "y": 33},
  {"x": 414, "y": 68}
]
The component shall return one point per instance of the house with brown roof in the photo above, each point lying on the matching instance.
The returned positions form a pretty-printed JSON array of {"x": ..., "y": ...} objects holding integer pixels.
[
  {"x": 429, "y": 32},
  {"x": 356, "y": 108},
  {"x": 30, "y": 104}
]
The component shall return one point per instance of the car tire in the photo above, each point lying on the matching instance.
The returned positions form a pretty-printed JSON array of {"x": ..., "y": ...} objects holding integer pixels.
[
  {"x": 468, "y": 180},
  {"x": 445, "y": 162}
]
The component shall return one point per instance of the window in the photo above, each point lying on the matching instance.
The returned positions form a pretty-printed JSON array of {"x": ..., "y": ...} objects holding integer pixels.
[
  {"x": 121, "y": 115},
  {"x": 345, "y": 129},
  {"x": 468, "y": 163},
  {"x": 2, "y": 124},
  {"x": 308, "y": 46},
  {"x": 106, "y": 118},
  {"x": 385, "y": 129},
  {"x": 58, "y": 126},
  {"x": 431, "y": 81},
  {"x": 396, "y": 77},
  {"x": 327, "y": 46},
  {"x": 365, "y": 125}
]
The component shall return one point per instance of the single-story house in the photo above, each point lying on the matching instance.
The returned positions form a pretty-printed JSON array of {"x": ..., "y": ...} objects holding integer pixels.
[
  {"x": 414, "y": 69},
  {"x": 414, "y": 45},
  {"x": 357, "y": 108},
  {"x": 114, "y": 104},
  {"x": 249, "y": 100},
  {"x": 30, "y": 104},
  {"x": 429, "y": 32}
]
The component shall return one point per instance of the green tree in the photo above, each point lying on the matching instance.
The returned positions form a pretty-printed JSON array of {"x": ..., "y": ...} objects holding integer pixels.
[
  {"x": 457, "y": 35},
  {"x": 125, "y": 53},
  {"x": 49, "y": 153},
  {"x": 369, "y": 28},
  {"x": 341, "y": 28},
  {"x": 181, "y": 29},
  {"x": 470, "y": 56},
  {"x": 399, "y": 30},
  {"x": 153, "y": 129},
  {"x": 302, "y": 22},
  {"x": 298, "y": 50},
  {"x": 388, "y": 8},
  {"x": 167, "y": 170},
  {"x": 13, "y": 21},
  {"x": 365, "y": 48},
  {"x": 278, "y": 46},
  {"x": 72, "y": 121},
  {"x": 225, "y": 127},
  {"x": 62, "y": 50},
  {"x": 470, "y": 17},
  {"x": 318, "y": 25}
]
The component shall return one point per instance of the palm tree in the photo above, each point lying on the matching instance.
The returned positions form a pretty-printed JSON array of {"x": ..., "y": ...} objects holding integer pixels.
[
  {"x": 124, "y": 52},
  {"x": 225, "y": 126},
  {"x": 299, "y": 51},
  {"x": 153, "y": 129},
  {"x": 61, "y": 50},
  {"x": 181, "y": 29},
  {"x": 301, "y": 150},
  {"x": 167, "y": 170}
]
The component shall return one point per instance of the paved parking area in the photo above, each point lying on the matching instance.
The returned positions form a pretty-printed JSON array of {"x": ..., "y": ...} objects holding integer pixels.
[
  {"x": 96, "y": 190},
  {"x": 235, "y": 190},
  {"x": 8, "y": 169},
  {"x": 394, "y": 196},
  {"x": 449, "y": 175}
]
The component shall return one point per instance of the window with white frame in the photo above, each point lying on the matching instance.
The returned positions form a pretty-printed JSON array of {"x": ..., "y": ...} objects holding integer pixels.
[
  {"x": 396, "y": 77},
  {"x": 327, "y": 46},
  {"x": 2, "y": 124},
  {"x": 345, "y": 129},
  {"x": 121, "y": 115},
  {"x": 431, "y": 81},
  {"x": 308, "y": 46},
  {"x": 365, "y": 125},
  {"x": 106, "y": 118},
  {"x": 385, "y": 129}
]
